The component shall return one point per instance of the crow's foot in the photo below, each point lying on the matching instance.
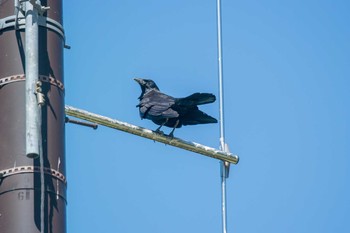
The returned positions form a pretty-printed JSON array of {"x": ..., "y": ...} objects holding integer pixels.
[{"x": 159, "y": 132}]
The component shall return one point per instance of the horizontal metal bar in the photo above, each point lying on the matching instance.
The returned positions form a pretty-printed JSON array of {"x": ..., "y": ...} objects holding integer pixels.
[
  {"x": 146, "y": 133},
  {"x": 94, "y": 126}
]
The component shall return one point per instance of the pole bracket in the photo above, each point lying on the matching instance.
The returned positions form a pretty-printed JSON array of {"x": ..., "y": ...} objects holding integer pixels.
[
  {"x": 32, "y": 169},
  {"x": 22, "y": 77},
  {"x": 39, "y": 93},
  {"x": 37, "y": 4},
  {"x": 225, "y": 166},
  {"x": 17, "y": 21}
]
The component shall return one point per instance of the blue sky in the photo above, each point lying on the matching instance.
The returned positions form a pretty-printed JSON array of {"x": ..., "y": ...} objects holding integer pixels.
[{"x": 286, "y": 77}]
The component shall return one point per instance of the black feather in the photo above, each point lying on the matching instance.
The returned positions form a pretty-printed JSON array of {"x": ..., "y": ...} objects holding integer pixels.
[{"x": 166, "y": 110}]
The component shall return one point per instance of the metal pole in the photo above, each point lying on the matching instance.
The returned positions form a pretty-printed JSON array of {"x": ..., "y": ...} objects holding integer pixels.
[
  {"x": 27, "y": 203},
  {"x": 224, "y": 174},
  {"x": 220, "y": 66},
  {"x": 146, "y": 133},
  {"x": 224, "y": 167},
  {"x": 33, "y": 110}
]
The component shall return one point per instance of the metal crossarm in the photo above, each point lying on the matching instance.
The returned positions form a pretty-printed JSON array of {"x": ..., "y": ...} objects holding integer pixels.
[{"x": 146, "y": 133}]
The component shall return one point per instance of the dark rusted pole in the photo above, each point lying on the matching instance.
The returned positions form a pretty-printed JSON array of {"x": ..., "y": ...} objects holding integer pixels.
[{"x": 20, "y": 184}]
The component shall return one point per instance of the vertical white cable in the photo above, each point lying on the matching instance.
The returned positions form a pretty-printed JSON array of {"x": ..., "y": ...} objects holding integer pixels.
[
  {"x": 223, "y": 166},
  {"x": 220, "y": 66}
]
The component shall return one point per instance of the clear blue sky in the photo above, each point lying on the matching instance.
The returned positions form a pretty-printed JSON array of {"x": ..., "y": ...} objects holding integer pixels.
[{"x": 287, "y": 91}]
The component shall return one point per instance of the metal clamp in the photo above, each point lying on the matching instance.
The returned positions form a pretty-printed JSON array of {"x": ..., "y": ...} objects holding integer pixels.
[
  {"x": 17, "y": 21},
  {"x": 32, "y": 169},
  {"x": 42, "y": 78},
  {"x": 39, "y": 93},
  {"x": 37, "y": 4}
]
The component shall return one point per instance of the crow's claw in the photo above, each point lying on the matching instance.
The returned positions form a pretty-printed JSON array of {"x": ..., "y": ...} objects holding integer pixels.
[{"x": 159, "y": 132}]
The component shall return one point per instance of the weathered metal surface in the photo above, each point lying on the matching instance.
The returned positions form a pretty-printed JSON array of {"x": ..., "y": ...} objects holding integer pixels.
[
  {"x": 20, "y": 189},
  {"x": 146, "y": 133}
]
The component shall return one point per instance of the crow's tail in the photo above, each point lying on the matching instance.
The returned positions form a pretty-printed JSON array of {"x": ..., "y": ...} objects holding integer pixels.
[
  {"x": 197, "y": 99},
  {"x": 196, "y": 116}
]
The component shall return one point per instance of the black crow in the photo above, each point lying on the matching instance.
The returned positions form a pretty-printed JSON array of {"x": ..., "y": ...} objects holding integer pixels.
[{"x": 172, "y": 112}]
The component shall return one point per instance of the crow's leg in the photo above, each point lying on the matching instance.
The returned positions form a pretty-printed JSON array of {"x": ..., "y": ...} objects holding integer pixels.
[
  {"x": 158, "y": 129},
  {"x": 172, "y": 132}
]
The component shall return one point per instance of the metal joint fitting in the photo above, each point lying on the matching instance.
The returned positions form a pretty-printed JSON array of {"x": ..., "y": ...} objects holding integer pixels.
[
  {"x": 37, "y": 4},
  {"x": 39, "y": 95}
]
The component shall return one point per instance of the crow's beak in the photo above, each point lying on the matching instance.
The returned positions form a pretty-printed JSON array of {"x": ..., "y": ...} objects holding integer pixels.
[{"x": 139, "y": 80}]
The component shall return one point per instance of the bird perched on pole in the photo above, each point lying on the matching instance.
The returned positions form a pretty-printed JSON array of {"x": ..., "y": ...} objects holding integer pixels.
[{"x": 165, "y": 110}]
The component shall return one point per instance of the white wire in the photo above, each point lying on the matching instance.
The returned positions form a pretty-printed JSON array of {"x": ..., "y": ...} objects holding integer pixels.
[
  {"x": 221, "y": 91},
  {"x": 223, "y": 168}
]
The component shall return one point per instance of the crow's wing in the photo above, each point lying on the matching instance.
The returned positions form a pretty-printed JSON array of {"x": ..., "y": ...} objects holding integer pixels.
[{"x": 157, "y": 104}]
